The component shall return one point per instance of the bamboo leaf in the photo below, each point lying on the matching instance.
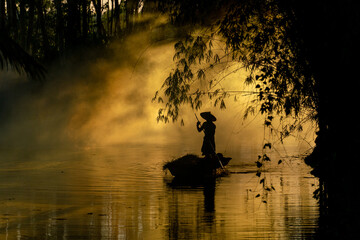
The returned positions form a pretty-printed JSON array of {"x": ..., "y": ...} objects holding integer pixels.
[
  {"x": 258, "y": 164},
  {"x": 222, "y": 104},
  {"x": 201, "y": 74},
  {"x": 267, "y": 145}
]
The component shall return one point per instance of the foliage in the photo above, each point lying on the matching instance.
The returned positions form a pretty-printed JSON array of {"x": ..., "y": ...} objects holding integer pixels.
[
  {"x": 47, "y": 29},
  {"x": 12, "y": 55},
  {"x": 189, "y": 53},
  {"x": 259, "y": 35},
  {"x": 263, "y": 38},
  {"x": 200, "y": 12}
]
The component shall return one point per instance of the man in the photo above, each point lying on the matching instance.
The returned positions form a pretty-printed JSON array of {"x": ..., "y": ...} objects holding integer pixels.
[{"x": 208, "y": 147}]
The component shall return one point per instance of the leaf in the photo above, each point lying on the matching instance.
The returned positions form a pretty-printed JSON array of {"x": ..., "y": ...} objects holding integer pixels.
[
  {"x": 216, "y": 58},
  {"x": 267, "y": 123},
  {"x": 257, "y": 196},
  {"x": 222, "y": 104},
  {"x": 267, "y": 145},
  {"x": 266, "y": 158},
  {"x": 249, "y": 80},
  {"x": 179, "y": 46},
  {"x": 264, "y": 201},
  {"x": 156, "y": 95},
  {"x": 176, "y": 56},
  {"x": 201, "y": 74},
  {"x": 258, "y": 164},
  {"x": 280, "y": 161}
]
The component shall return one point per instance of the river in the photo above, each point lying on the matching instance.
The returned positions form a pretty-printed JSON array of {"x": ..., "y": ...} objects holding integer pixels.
[{"x": 121, "y": 192}]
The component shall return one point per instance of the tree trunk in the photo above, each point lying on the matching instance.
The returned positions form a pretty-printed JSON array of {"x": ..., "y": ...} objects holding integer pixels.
[
  {"x": 30, "y": 26},
  {"x": 12, "y": 19},
  {"x": 97, "y": 5},
  {"x": 117, "y": 17},
  {"x": 2, "y": 14},
  {"x": 131, "y": 14},
  {"x": 59, "y": 29},
  {"x": 22, "y": 19},
  {"x": 73, "y": 28},
  {"x": 108, "y": 16},
  {"x": 45, "y": 38},
  {"x": 111, "y": 18},
  {"x": 129, "y": 6},
  {"x": 85, "y": 25}
]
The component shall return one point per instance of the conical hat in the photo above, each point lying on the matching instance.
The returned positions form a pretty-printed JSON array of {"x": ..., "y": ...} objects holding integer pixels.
[{"x": 208, "y": 116}]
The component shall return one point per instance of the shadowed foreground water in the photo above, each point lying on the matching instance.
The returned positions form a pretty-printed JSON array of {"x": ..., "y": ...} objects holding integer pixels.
[{"x": 122, "y": 193}]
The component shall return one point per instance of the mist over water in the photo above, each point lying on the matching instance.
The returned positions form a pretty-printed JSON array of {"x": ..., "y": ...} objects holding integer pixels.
[
  {"x": 99, "y": 101},
  {"x": 82, "y": 154},
  {"x": 105, "y": 98}
]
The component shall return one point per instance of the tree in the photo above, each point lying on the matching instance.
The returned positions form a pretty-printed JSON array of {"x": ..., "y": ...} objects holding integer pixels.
[
  {"x": 45, "y": 38},
  {"x": 59, "y": 28},
  {"x": 85, "y": 21},
  {"x": 12, "y": 19},
  {"x": 29, "y": 33},
  {"x": 13, "y": 56},
  {"x": 2, "y": 14},
  {"x": 300, "y": 56},
  {"x": 257, "y": 35},
  {"x": 100, "y": 27}
]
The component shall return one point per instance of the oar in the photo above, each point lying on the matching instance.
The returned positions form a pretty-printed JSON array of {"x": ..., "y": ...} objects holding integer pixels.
[{"x": 196, "y": 117}]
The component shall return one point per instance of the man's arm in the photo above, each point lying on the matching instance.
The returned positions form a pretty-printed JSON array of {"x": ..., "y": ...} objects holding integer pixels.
[{"x": 199, "y": 127}]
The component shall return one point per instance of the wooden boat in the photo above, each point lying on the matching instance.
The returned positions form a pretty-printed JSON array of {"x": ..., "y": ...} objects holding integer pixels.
[{"x": 192, "y": 166}]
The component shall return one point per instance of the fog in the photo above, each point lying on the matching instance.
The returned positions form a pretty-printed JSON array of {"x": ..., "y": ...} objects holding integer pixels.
[{"x": 105, "y": 99}]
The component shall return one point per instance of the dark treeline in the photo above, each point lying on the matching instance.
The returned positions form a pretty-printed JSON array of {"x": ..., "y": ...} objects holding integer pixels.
[{"x": 48, "y": 28}]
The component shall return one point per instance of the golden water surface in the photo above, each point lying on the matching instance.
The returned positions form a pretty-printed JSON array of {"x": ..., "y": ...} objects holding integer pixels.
[{"x": 121, "y": 192}]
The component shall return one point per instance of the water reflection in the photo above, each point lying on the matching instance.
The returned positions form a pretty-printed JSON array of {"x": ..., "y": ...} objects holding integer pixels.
[
  {"x": 195, "y": 219},
  {"x": 115, "y": 193}
]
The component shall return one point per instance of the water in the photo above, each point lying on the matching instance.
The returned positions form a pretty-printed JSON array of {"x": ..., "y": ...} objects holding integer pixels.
[{"x": 121, "y": 192}]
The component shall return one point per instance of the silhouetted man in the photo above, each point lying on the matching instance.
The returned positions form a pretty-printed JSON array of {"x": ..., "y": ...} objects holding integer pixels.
[{"x": 208, "y": 147}]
